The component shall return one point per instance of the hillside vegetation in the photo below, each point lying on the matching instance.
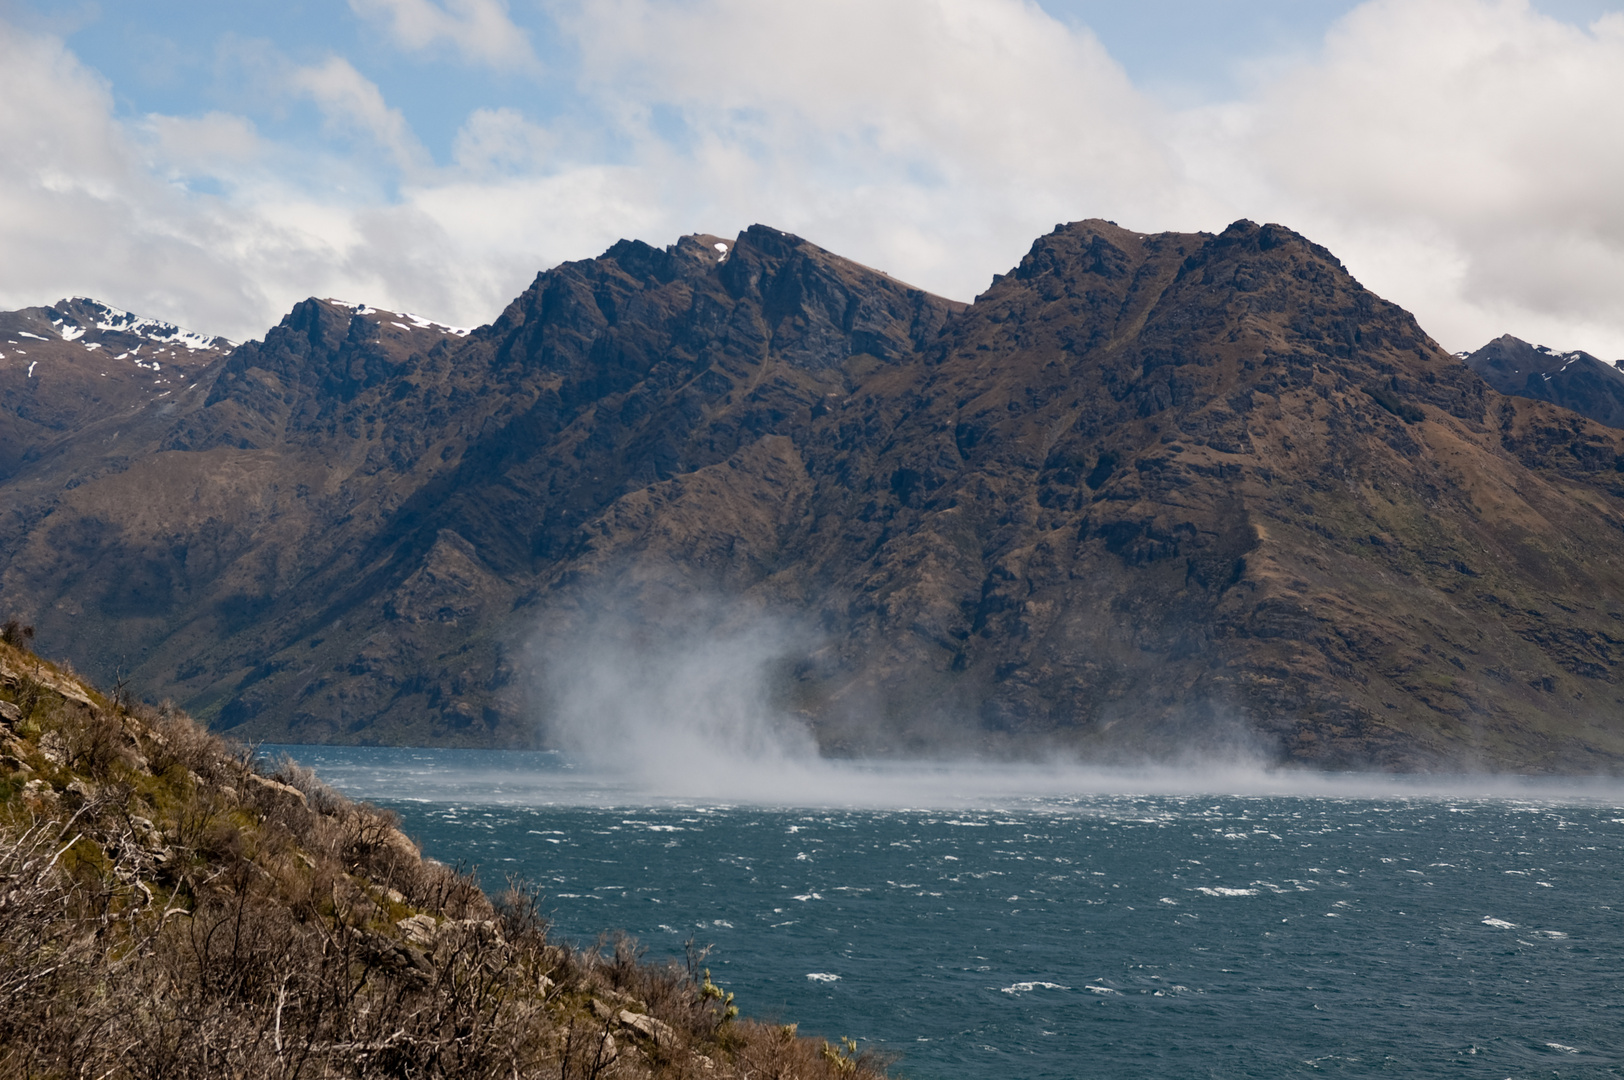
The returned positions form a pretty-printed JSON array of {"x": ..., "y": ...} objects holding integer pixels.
[{"x": 170, "y": 909}]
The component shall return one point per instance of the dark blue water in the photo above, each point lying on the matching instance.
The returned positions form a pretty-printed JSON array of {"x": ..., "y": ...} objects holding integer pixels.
[{"x": 1107, "y": 934}]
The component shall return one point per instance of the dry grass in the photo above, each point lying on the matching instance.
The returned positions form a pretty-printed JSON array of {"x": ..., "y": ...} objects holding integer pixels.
[{"x": 167, "y": 909}]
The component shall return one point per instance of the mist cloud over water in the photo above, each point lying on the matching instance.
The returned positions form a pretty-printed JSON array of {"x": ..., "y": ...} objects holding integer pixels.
[
  {"x": 676, "y": 697},
  {"x": 685, "y": 704},
  {"x": 557, "y": 778}
]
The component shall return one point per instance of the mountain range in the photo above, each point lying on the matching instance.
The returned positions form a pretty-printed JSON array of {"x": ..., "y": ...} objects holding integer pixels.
[{"x": 1149, "y": 493}]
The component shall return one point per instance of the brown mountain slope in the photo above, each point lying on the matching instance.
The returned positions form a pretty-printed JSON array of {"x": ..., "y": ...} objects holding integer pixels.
[
  {"x": 1156, "y": 490},
  {"x": 65, "y": 366},
  {"x": 156, "y": 535},
  {"x": 326, "y": 541},
  {"x": 1150, "y": 492}
]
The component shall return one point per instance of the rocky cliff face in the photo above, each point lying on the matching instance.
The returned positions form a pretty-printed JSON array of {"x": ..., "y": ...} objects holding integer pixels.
[
  {"x": 1148, "y": 493},
  {"x": 1151, "y": 483},
  {"x": 1156, "y": 492},
  {"x": 325, "y": 538},
  {"x": 1574, "y": 380}
]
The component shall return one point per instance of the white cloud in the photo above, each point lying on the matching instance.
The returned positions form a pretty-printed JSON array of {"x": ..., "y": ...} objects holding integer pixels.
[
  {"x": 80, "y": 210},
  {"x": 480, "y": 30},
  {"x": 91, "y": 205},
  {"x": 501, "y": 142},
  {"x": 1465, "y": 157},
  {"x": 350, "y": 103},
  {"x": 932, "y": 137},
  {"x": 212, "y": 140},
  {"x": 1462, "y": 156}
]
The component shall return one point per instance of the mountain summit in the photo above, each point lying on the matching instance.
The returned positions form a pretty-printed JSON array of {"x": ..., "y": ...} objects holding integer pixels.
[
  {"x": 1574, "y": 380},
  {"x": 1148, "y": 494}
]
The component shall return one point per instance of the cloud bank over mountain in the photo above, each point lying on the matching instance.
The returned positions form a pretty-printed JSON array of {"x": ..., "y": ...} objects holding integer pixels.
[{"x": 1461, "y": 155}]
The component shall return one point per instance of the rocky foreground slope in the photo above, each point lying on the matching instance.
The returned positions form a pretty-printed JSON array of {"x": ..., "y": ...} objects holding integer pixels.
[
  {"x": 1149, "y": 493},
  {"x": 170, "y": 909}
]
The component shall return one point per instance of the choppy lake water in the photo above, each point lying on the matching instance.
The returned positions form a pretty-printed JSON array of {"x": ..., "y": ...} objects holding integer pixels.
[{"x": 1030, "y": 924}]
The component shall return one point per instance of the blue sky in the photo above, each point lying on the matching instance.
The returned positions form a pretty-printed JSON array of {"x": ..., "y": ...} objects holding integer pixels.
[
  {"x": 166, "y": 56},
  {"x": 213, "y": 163}
]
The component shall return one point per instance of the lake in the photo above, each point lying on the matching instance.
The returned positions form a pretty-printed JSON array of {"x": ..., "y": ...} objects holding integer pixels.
[{"x": 980, "y": 921}]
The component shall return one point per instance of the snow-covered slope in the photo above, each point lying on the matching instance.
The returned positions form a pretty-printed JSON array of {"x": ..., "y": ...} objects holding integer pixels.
[{"x": 85, "y": 333}]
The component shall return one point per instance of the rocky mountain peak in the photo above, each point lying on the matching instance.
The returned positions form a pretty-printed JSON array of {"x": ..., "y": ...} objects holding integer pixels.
[
  {"x": 1573, "y": 379},
  {"x": 69, "y": 364},
  {"x": 1147, "y": 454},
  {"x": 79, "y": 316},
  {"x": 93, "y": 323},
  {"x": 309, "y": 371}
]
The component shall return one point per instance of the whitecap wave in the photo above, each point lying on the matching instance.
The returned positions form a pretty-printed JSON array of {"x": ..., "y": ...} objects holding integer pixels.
[{"x": 1028, "y": 987}]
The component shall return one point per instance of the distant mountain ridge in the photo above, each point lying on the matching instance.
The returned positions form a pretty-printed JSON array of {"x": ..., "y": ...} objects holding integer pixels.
[
  {"x": 1574, "y": 380},
  {"x": 1150, "y": 492},
  {"x": 79, "y": 360}
]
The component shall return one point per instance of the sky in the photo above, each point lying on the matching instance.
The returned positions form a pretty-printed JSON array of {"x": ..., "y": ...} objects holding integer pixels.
[{"x": 212, "y": 164}]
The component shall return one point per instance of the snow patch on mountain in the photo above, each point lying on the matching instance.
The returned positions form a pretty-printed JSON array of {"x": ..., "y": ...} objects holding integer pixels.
[
  {"x": 1563, "y": 357},
  {"x": 417, "y": 322},
  {"x": 127, "y": 322}
]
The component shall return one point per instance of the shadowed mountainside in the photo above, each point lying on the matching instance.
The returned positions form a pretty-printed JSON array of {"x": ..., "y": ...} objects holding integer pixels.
[
  {"x": 1574, "y": 380},
  {"x": 326, "y": 536},
  {"x": 1149, "y": 493},
  {"x": 1156, "y": 492}
]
